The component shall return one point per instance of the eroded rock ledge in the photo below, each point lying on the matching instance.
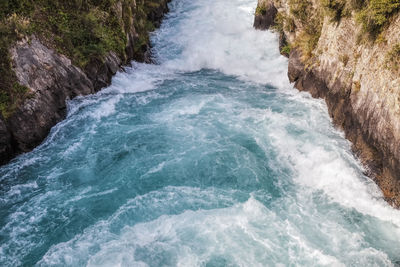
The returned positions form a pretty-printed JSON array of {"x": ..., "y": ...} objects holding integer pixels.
[
  {"x": 332, "y": 60},
  {"x": 52, "y": 79}
]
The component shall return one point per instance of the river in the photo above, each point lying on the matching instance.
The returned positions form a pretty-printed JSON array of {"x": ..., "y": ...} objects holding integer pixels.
[{"x": 208, "y": 158}]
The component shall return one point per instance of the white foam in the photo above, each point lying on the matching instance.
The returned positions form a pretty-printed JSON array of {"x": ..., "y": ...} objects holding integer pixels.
[
  {"x": 81, "y": 247},
  {"x": 106, "y": 108},
  {"x": 71, "y": 149},
  {"x": 218, "y": 34},
  {"x": 323, "y": 161},
  {"x": 17, "y": 192},
  {"x": 158, "y": 168},
  {"x": 181, "y": 108},
  {"x": 21, "y": 229},
  {"x": 138, "y": 78},
  {"x": 248, "y": 234},
  {"x": 84, "y": 194}
]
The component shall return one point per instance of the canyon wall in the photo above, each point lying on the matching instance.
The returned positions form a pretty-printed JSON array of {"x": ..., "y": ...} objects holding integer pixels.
[
  {"x": 348, "y": 52},
  {"x": 49, "y": 74}
]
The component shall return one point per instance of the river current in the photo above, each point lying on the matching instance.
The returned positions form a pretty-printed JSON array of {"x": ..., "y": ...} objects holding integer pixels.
[{"x": 208, "y": 158}]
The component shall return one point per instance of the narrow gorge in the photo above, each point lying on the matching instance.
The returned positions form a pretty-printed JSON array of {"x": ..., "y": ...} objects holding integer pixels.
[{"x": 208, "y": 156}]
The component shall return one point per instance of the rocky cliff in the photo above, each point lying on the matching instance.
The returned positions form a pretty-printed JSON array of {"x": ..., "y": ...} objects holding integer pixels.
[
  {"x": 348, "y": 52},
  {"x": 46, "y": 60}
]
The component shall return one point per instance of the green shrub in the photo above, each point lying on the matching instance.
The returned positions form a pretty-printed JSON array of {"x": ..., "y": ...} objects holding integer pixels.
[
  {"x": 11, "y": 93},
  {"x": 279, "y": 22},
  {"x": 284, "y": 22},
  {"x": 356, "y": 4},
  {"x": 290, "y": 25},
  {"x": 376, "y": 15},
  {"x": 392, "y": 61},
  {"x": 261, "y": 10},
  {"x": 311, "y": 20},
  {"x": 300, "y": 9},
  {"x": 334, "y": 8},
  {"x": 308, "y": 41},
  {"x": 286, "y": 50}
]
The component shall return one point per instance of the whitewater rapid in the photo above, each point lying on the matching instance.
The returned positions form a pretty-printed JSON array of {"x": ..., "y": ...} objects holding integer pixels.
[{"x": 208, "y": 158}]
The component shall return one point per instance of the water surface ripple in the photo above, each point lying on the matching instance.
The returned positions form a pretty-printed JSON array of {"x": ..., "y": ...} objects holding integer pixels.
[{"x": 209, "y": 158}]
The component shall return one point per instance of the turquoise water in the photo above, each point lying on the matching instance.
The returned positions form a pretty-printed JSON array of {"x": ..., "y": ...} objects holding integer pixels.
[{"x": 209, "y": 158}]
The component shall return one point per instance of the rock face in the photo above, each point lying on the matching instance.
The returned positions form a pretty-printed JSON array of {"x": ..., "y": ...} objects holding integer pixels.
[
  {"x": 265, "y": 15},
  {"x": 100, "y": 72},
  {"x": 52, "y": 79},
  {"x": 5, "y": 141},
  {"x": 362, "y": 93}
]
